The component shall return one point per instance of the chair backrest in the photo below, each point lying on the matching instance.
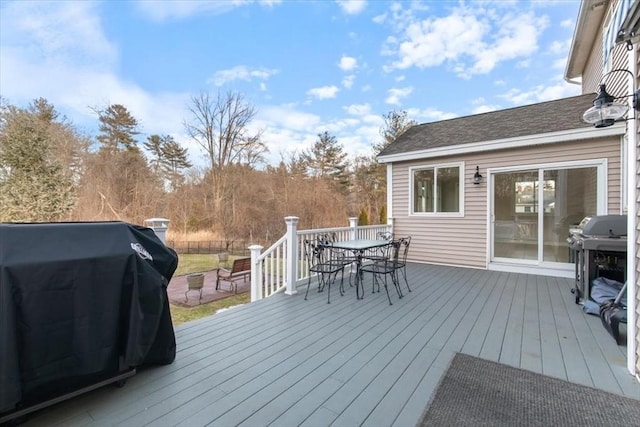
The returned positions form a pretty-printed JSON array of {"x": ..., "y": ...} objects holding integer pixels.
[
  {"x": 326, "y": 238},
  {"x": 241, "y": 264},
  {"x": 385, "y": 235},
  {"x": 404, "y": 243},
  {"x": 395, "y": 247},
  {"x": 315, "y": 251}
]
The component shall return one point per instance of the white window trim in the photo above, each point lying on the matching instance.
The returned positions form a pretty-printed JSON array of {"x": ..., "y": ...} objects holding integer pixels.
[{"x": 461, "y": 192}]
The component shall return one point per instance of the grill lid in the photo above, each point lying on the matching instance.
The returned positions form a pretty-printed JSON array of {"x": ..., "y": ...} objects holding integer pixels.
[{"x": 604, "y": 225}]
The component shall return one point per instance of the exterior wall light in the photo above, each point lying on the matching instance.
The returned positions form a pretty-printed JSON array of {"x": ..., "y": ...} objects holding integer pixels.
[
  {"x": 605, "y": 110},
  {"x": 477, "y": 178}
]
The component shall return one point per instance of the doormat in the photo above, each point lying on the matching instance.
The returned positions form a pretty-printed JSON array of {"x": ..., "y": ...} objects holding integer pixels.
[{"x": 478, "y": 392}]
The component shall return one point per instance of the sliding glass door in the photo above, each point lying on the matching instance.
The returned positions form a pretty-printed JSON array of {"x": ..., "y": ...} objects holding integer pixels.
[{"x": 533, "y": 210}]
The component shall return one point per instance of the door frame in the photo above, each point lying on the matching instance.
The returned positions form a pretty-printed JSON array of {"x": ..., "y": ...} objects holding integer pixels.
[{"x": 538, "y": 266}]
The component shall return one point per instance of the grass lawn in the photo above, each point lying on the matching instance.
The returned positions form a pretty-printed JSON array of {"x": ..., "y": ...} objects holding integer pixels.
[
  {"x": 181, "y": 315},
  {"x": 197, "y": 263}
]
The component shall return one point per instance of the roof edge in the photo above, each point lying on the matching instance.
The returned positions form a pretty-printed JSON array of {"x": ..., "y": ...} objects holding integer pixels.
[
  {"x": 590, "y": 17},
  {"x": 500, "y": 144}
]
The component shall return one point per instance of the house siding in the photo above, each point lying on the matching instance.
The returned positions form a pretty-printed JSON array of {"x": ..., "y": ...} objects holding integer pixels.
[
  {"x": 462, "y": 241},
  {"x": 592, "y": 74},
  {"x": 636, "y": 261},
  {"x": 616, "y": 85},
  {"x": 593, "y": 69}
]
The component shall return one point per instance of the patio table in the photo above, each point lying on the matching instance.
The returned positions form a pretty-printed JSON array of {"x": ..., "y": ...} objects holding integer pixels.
[{"x": 359, "y": 247}]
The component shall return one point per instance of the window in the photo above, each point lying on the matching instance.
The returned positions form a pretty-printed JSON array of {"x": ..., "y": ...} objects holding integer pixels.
[{"x": 436, "y": 189}]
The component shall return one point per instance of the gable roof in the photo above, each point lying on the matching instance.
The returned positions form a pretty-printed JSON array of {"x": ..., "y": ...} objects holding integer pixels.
[{"x": 546, "y": 117}]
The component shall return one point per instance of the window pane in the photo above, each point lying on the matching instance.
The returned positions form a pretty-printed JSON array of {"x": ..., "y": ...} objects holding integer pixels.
[
  {"x": 449, "y": 189},
  {"x": 574, "y": 196},
  {"x": 423, "y": 190}
]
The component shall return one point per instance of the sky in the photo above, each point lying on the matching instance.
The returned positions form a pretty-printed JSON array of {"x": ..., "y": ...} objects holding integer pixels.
[{"x": 305, "y": 66}]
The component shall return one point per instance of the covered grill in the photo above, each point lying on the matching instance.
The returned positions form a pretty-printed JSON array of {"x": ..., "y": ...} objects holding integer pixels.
[{"x": 600, "y": 246}]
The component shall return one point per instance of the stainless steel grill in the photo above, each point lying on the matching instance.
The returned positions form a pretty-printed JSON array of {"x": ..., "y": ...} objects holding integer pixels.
[{"x": 600, "y": 246}]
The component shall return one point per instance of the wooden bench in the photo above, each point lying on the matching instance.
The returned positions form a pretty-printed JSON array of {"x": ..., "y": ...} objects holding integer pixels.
[{"x": 240, "y": 271}]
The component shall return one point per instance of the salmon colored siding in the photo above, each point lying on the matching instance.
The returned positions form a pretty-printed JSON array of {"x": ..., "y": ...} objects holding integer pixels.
[{"x": 462, "y": 240}]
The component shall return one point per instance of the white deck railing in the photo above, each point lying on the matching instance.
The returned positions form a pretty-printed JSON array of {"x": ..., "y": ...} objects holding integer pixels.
[{"x": 283, "y": 265}]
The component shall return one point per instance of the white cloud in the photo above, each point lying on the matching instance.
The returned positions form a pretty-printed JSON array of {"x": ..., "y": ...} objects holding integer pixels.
[
  {"x": 324, "y": 92},
  {"x": 240, "y": 72},
  {"x": 67, "y": 40},
  {"x": 471, "y": 40},
  {"x": 429, "y": 115},
  {"x": 352, "y": 7},
  {"x": 348, "y": 81},
  {"x": 559, "y": 64},
  {"x": 357, "y": 109},
  {"x": 380, "y": 19},
  {"x": 395, "y": 95},
  {"x": 162, "y": 10},
  {"x": 541, "y": 93},
  {"x": 484, "y": 108},
  {"x": 348, "y": 63},
  {"x": 288, "y": 117},
  {"x": 567, "y": 23},
  {"x": 56, "y": 32}
]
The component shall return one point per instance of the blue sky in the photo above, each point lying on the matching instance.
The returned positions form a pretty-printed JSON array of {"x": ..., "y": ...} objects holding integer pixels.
[{"x": 306, "y": 66}]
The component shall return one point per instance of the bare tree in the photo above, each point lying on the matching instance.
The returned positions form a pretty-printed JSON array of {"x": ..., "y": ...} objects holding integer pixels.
[{"x": 220, "y": 125}]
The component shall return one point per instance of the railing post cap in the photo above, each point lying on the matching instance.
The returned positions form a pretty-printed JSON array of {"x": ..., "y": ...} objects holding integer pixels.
[
  {"x": 255, "y": 247},
  {"x": 291, "y": 218}
]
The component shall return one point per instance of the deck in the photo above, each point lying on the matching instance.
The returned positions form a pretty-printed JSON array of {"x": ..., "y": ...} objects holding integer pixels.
[{"x": 284, "y": 361}]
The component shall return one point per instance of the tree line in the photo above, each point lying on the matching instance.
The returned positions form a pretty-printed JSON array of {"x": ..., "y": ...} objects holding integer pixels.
[{"x": 50, "y": 172}]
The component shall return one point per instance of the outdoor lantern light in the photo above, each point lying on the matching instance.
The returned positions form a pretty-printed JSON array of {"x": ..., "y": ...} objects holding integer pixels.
[
  {"x": 476, "y": 176},
  {"x": 605, "y": 110}
]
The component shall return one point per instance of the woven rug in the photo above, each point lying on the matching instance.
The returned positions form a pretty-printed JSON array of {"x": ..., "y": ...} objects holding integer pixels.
[{"x": 477, "y": 392}]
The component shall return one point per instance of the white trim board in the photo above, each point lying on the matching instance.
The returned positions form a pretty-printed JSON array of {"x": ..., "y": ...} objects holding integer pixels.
[{"x": 501, "y": 144}]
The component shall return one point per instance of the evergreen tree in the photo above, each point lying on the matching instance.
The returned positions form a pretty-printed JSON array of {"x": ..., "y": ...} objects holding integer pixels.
[
  {"x": 34, "y": 185},
  {"x": 363, "y": 218},
  {"x": 118, "y": 129},
  {"x": 327, "y": 159},
  {"x": 153, "y": 144},
  {"x": 174, "y": 160}
]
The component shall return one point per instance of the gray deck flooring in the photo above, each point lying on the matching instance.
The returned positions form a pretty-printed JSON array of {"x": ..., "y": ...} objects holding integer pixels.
[{"x": 285, "y": 361}]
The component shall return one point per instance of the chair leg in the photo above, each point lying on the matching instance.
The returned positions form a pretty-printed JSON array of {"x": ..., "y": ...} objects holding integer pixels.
[
  {"x": 396, "y": 282},
  {"x": 308, "y": 284},
  {"x": 404, "y": 275},
  {"x": 387, "y": 289},
  {"x": 327, "y": 283}
]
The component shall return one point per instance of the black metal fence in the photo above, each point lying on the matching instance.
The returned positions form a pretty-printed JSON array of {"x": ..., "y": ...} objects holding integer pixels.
[{"x": 211, "y": 247}]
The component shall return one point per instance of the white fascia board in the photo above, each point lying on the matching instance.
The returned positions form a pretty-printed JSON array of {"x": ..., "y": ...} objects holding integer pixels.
[{"x": 506, "y": 143}]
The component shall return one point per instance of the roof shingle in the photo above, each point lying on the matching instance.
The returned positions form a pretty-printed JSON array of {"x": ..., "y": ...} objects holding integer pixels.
[{"x": 552, "y": 116}]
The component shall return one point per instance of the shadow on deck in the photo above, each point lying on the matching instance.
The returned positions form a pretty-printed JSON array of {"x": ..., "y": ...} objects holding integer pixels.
[{"x": 284, "y": 361}]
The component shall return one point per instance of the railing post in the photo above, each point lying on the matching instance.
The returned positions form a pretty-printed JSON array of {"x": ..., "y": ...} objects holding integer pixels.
[
  {"x": 390, "y": 224},
  {"x": 292, "y": 254},
  {"x": 353, "y": 224},
  {"x": 256, "y": 273}
]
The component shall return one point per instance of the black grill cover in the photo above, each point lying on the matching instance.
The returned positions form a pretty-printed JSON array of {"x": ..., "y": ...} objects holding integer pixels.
[{"x": 79, "y": 303}]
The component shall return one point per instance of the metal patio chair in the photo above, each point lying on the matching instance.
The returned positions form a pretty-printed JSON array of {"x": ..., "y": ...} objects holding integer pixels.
[
  {"x": 325, "y": 263},
  {"x": 384, "y": 268},
  {"x": 401, "y": 263}
]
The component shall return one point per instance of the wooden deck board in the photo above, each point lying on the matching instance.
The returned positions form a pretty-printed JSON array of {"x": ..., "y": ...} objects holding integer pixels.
[{"x": 286, "y": 361}]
